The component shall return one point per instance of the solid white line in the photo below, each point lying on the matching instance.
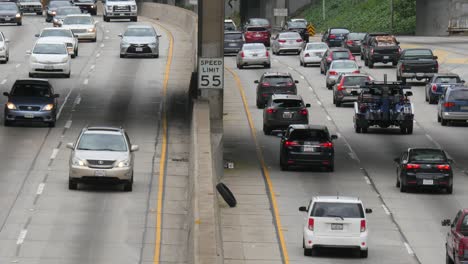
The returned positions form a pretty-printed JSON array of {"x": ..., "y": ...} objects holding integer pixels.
[
  {"x": 318, "y": 102},
  {"x": 386, "y": 209},
  {"x": 4, "y": 81},
  {"x": 18, "y": 65},
  {"x": 64, "y": 102},
  {"x": 21, "y": 237},
  {"x": 302, "y": 77},
  {"x": 367, "y": 179},
  {"x": 68, "y": 124},
  {"x": 40, "y": 188},
  {"x": 54, "y": 153},
  {"x": 408, "y": 248},
  {"x": 85, "y": 82},
  {"x": 329, "y": 118},
  {"x": 353, "y": 156}
]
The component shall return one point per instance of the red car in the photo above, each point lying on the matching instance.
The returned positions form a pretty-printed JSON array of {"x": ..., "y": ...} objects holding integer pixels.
[
  {"x": 456, "y": 245},
  {"x": 256, "y": 34}
]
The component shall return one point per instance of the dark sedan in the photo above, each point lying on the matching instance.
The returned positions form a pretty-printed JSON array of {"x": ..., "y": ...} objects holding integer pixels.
[
  {"x": 334, "y": 36},
  {"x": 283, "y": 110},
  {"x": 233, "y": 41},
  {"x": 31, "y": 100},
  {"x": 438, "y": 83},
  {"x": 353, "y": 41},
  {"x": 51, "y": 8},
  {"x": 308, "y": 146},
  {"x": 274, "y": 83},
  {"x": 424, "y": 167},
  {"x": 10, "y": 13}
]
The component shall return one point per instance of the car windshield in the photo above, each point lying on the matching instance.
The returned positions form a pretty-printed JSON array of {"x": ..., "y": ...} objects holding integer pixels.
[
  {"x": 57, "y": 33},
  {"x": 102, "y": 142},
  {"x": 83, "y": 1},
  {"x": 309, "y": 134},
  {"x": 233, "y": 36},
  {"x": 68, "y": 11},
  {"x": 337, "y": 55},
  {"x": 316, "y": 46},
  {"x": 339, "y": 31},
  {"x": 56, "y": 4},
  {"x": 256, "y": 29},
  {"x": 1, "y": 37},
  {"x": 356, "y": 36},
  {"x": 448, "y": 79},
  {"x": 344, "y": 65},
  {"x": 427, "y": 155},
  {"x": 278, "y": 80},
  {"x": 31, "y": 90},
  {"x": 50, "y": 48},
  {"x": 140, "y": 32},
  {"x": 342, "y": 210},
  {"x": 253, "y": 47},
  {"x": 355, "y": 80},
  {"x": 78, "y": 20},
  {"x": 297, "y": 24},
  {"x": 459, "y": 95},
  {"x": 287, "y": 103},
  {"x": 8, "y": 7},
  {"x": 38, "y": 1},
  {"x": 229, "y": 26},
  {"x": 424, "y": 53},
  {"x": 259, "y": 21},
  {"x": 289, "y": 35}
]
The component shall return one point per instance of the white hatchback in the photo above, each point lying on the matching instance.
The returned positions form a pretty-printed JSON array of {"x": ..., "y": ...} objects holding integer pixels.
[
  {"x": 49, "y": 56},
  {"x": 335, "y": 222}
]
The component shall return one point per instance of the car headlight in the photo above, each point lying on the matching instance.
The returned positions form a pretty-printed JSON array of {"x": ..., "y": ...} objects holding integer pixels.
[
  {"x": 65, "y": 59},
  {"x": 124, "y": 43},
  {"x": 33, "y": 59},
  {"x": 53, "y": 13},
  {"x": 154, "y": 44},
  {"x": 2, "y": 48},
  {"x": 92, "y": 6},
  {"x": 109, "y": 8},
  {"x": 48, "y": 107},
  {"x": 18, "y": 15},
  {"x": 11, "y": 106},
  {"x": 134, "y": 7},
  {"x": 91, "y": 30},
  {"x": 77, "y": 162},
  {"x": 123, "y": 164}
]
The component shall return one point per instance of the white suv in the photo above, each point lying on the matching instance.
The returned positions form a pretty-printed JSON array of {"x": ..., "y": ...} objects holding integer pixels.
[
  {"x": 120, "y": 9},
  {"x": 335, "y": 222}
]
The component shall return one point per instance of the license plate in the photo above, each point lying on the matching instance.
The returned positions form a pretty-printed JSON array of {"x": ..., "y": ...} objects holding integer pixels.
[
  {"x": 99, "y": 173},
  {"x": 84, "y": 11},
  {"x": 463, "y": 107},
  {"x": 49, "y": 67},
  {"x": 232, "y": 44},
  {"x": 318, "y": 54},
  {"x": 258, "y": 35},
  {"x": 287, "y": 115},
  {"x": 420, "y": 74},
  {"x": 7, "y": 19},
  {"x": 386, "y": 57},
  {"x": 308, "y": 148},
  {"x": 336, "y": 226},
  {"x": 121, "y": 14},
  {"x": 255, "y": 55},
  {"x": 290, "y": 41},
  {"x": 428, "y": 182},
  {"x": 138, "y": 49},
  {"x": 28, "y": 116}
]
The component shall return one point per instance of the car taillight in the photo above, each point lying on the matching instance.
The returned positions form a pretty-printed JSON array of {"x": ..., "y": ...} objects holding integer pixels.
[
  {"x": 363, "y": 225},
  {"x": 311, "y": 224},
  {"x": 449, "y": 104},
  {"x": 271, "y": 110},
  {"x": 265, "y": 95},
  {"x": 402, "y": 67},
  {"x": 267, "y": 53},
  {"x": 434, "y": 87},
  {"x": 333, "y": 73},
  {"x": 298, "y": 40},
  {"x": 281, "y": 41},
  {"x": 350, "y": 42},
  {"x": 242, "y": 54},
  {"x": 436, "y": 66},
  {"x": 412, "y": 166},
  {"x": 265, "y": 84},
  {"x": 351, "y": 57},
  {"x": 443, "y": 167},
  {"x": 303, "y": 112},
  {"x": 332, "y": 36},
  {"x": 307, "y": 55},
  {"x": 340, "y": 87},
  {"x": 289, "y": 143},
  {"x": 357, "y": 71},
  {"x": 289, "y": 84},
  {"x": 461, "y": 250},
  {"x": 326, "y": 145}
]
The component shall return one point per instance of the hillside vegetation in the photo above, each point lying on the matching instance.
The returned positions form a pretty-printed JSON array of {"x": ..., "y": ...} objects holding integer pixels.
[{"x": 363, "y": 15}]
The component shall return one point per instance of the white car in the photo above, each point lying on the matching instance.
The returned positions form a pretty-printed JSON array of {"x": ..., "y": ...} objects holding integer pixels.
[
  {"x": 338, "y": 67},
  {"x": 83, "y": 26},
  {"x": 312, "y": 53},
  {"x": 335, "y": 222},
  {"x": 253, "y": 54},
  {"x": 4, "y": 49},
  {"x": 63, "y": 34},
  {"x": 120, "y": 9},
  {"x": 49, "y": 56}
]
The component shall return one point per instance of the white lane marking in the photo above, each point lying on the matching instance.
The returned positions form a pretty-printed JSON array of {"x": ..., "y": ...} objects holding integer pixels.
[
  {"x": 21, "y": 237},
  {"x": 18, "y": 65},
  {"x": 4, "y": 81},
  {"x": 107, "y": 31},
  {"x": 290, "y": 68},
  {"x": 106, "y": 37},
  {"x": 102, "y": 45},
  {"x": 338, "y": 134},
  {"x": 40, "y": 188},
  {"x": 367, "y": 179},
  {"x": 63, "y": 105},
  {"x": 68, "y": 124},
  {"x": 77, "y": 100},
  {"x": 353, "y": 156},
  {"x": 302, "y": 77},
  {"x": 433, "y": 141},
  {"x": 386, "y": 210},
  {"x": 92, "y": 67},
  {"x": 329, "y": 118},
  {"x": 85, "y": 82},
  {"x": 409, "y": 249},
  {"x": 318, "y": 102},
  {"x": 276, "y": 60},
  {"x": 54, "y": 153},
  {"x": 97, "y": 55}
]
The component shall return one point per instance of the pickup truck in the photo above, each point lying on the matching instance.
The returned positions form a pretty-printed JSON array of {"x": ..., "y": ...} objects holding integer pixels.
[
  {"x": 417, "y": 64},
  {"x": 456, "y": 245},
  {"x": 382, "y": 49}
]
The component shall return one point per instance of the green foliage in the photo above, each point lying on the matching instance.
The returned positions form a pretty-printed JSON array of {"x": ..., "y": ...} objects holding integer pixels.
[{"x": 364, "y": 15}]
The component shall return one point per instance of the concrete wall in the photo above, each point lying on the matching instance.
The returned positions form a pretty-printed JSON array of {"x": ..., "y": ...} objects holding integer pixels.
[{"x": 432, "y": 17}]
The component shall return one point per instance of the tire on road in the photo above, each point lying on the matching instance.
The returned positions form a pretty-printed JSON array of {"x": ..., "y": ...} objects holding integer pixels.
[{"x": 226, "y": 194}]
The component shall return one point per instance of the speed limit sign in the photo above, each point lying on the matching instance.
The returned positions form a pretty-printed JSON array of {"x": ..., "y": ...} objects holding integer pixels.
[{"x": 211, "y": 73}]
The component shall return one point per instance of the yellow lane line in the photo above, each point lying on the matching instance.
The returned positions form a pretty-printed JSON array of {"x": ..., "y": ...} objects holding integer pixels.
[
  {"x": 266, "y": 173},
  {"x": 162, "y": 160}
]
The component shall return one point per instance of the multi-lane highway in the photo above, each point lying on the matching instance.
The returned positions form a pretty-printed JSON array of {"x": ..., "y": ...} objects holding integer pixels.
[{"x": 404, "y": 227}]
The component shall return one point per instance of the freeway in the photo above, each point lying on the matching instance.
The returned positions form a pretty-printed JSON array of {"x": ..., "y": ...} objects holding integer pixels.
[
  {"x": 404, "y": 228},
  {"x": 41, "y": 221}
]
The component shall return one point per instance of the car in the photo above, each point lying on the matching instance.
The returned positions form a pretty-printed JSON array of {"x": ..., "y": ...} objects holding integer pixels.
[
  {"x": 300, "y": 20},
  {"x": 233, "y": 41},
  {"x": 102, "y": 155},
  {"x": 366, "y": 41},
  {"x": 259, "y": 22},
  {"x": 353, "y": 40},
  {"x": 334, "y": 54},
  {"x": 283, "y": 110},
  {"x": 30, "y": 6},
  {"x": 87, "y": 6},
  {"x": 453, "y": 106},
  {"x": 120, "y": 9},
  {"x": 274, "y": 83},
  {"x": 51, "y": 8},
  {"x": 4, "y": 48},
  {"x": 424, "y": 167},
  {"x": 62, "y": 12},
  {"x": 139, "y": 40},
  {"x": 348, "y": 87},
  {"x": 312, "y": 53},
  {"x": 335, "y": 222},
  {"x": 307, "y": 146},
  {"x": 334, "y": 36},
  {"x": 299, "y": 27},
  {"x": 63, "y": 33},
  {"x": 49, "y": 56},
  {"x": 383, "y": 49},
  {"x": 438, "y": 83},
  {"x": 287, "y": 42},
  {"x": 338, "y": 67},
  {"x": 253, "y": 54},
  {"x": 456, "y": 244},
  {"x": 418, "y": 63},
  {"x": 257, "y": 34},
  {"x": 31, "y": 100},
  {"x": 10, "y": 14},
  {"x": 83, "y": 26},
  {"x": 229, "y": 25}
]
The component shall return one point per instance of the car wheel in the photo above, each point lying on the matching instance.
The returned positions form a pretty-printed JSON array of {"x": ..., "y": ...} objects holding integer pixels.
[
  {"x": 268, "y": 66},
  {"x": 370, "y": 63},
  {"x": 51, "y": 124},
  {"x": 448, "y": 260},
  {"x": 395, "y": 63},
  {"x": 39, "y": 13},
  {"x": 357, "y": 129},
  {"x": 122, "y": 56},
  {"x": 364, "y": 129},
  {"x": 31, "y": 75},
  {"x": 449, "y": 190},
  {"x": 7, "y": 58},
  {"x": 403, "y": 79},
  {"x": 432, "y": 100},
  {"x": 365, "y": 62},
  {"x": 72, "y": 185},
  {"x": 397, "y": 182},
  {"x": 266, "y": 130},
  {"x": 76, "y": 52},
  {"x": 426, "y": 98},
  {"x": 7, "y": 122},
  {"x": 106, "y": 19},
  {"x": 283, "y": 166},
  {"x": 94, "y": 40},
  {"x": 321, "y": 70},
  {"x": 128, "y": 186},
  {"x": 443, "y": 121},
  {"x": 402, "y": 187},
  {"x": 135, "y": 19},
  {"x": 73, "y": 56},
  {"x": 331, "y": 167},
  {"x": 68, "y": 75},
  {"x": 301, "y": 63},
  {"x": 308, "y": 252},
  {"x": 19, "y": 23},
  {"x": 438, "y": 118},
  {"x": 338, "y": 103},
  {"x": 364, "y": 253}
]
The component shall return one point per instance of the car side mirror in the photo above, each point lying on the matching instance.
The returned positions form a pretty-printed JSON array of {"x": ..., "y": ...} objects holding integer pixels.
[
  {"x": 334, "y": 137},
  {"x": 296, "y": 81},
  {"x": 28, "y": 52},
  {"x": 7, "y": 41},
  {"x": 134, "y": 148},
  {"x": 6, "y": 94},
  {"x": 307, "y": 105},
  {"x": 409, "y": 93},
  {"x": 70, "y": 145},
  {"x": 120, "y": 35},
  {"x": 96, "y": 22},
  {"x": 397, "y": 160},
  {"x": 450, "y": 161},
  {"x": 446, "y": 222},
  {"x": 398, "y": 42},
  {"x": 435, "y": 57},
  {"x": 359, "y": 67},
  {"x": 56, "y": 95},
  {"x": 278, "y": 133},
  {"x": 463, "y": 81},
  {"x": 159, "y": 36},
  {"x": 302, "y": 209},
  {"x": 256, "y": 81},
  {"x": 37, "y": 35},
  {"x": 368, "y": 211}
]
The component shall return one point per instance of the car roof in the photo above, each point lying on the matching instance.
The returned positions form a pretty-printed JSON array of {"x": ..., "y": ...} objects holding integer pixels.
[
  {"x": 285, "y": 32},
  {"x": 338, "y": 49},
  {"x": 286, "y": 96},
  {"x": 276, "y": 73},
  {"x": 309, "y": 127},
  {"x": 446, "y": 75},
  {"x": 50, "y": 40},
  {"x": 56, "y": 28},
  {"x": 354, "y": 74},
  {"x": 233, "y": 32},
  {"x": 139, "y": 26},
  {"x": 337, "y": 61},
  {"x": 80, "y": 15},
  {"x": 418, "y": 49},
  {"x": 103, "y": 129},
  {"x": 373, "y": 34},
  {"x": 336, "y": 199},
  {"x": 30, "y": 80}
]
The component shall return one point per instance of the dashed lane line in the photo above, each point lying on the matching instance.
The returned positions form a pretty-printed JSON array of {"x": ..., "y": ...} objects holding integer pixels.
[
  {"x": 55, "y": 151},
  {"x": 387, "y": 211},
  {"x": 68, "y": 124},
  {"x": 21, "y": 236},
  {"x": 4, "y": 81},
  {"x": 40, "y": 188},
  {"x": 409, "y": 249},
  {"x": 86, "y": 81}
]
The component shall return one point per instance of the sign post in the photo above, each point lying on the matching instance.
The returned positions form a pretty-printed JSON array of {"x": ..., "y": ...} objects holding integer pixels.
[
  {"x": 281, "y": 13},
  {"x": 210, "y": 73}
]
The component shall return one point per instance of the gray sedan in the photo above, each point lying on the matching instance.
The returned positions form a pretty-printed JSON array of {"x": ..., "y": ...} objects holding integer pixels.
[
  {"x": 287, "y": 42},
  {"x": 338, "y": 67},
  {"x": 139, "y": 40},
  {"x": 253, "y": 54}
]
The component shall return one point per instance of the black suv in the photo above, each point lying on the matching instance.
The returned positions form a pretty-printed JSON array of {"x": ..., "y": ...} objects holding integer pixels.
[
  {"x": 31, "y": 100},
  {"x": 87, "y": 6},
  {"x": 274, "y": 83},
  {"x": 307, "y": 145},
  {"x": 334, "y": 36},
  {"x": 283, "y": 110}
]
